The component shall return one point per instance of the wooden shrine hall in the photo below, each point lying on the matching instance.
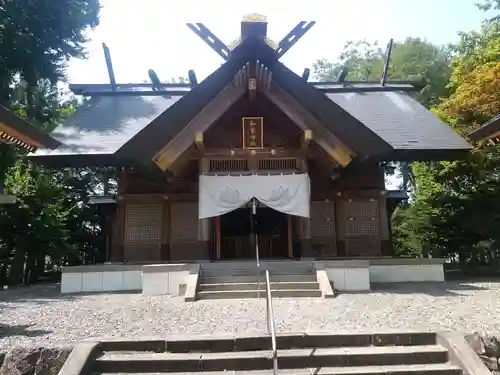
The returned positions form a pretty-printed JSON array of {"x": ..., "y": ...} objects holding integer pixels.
[{"x": 254, "y": 152}]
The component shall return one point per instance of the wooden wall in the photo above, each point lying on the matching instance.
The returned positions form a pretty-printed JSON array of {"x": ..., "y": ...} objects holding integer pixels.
[{"x": 347, "y": 219}]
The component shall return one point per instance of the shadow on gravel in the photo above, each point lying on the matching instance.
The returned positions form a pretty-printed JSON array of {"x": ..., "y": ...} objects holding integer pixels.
[
  {"x": 39, "y": 294},
  {"x": 21, "y": 330},
  {"x": 437, "y": 289}
]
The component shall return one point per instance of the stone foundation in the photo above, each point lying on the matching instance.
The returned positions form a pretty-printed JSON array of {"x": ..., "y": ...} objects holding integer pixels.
[
  {"x": 33, "y": 361},
  {"x": 487, "y": 348}
]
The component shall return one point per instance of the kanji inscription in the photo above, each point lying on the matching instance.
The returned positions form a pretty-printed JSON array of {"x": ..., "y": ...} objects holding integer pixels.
[{"x": 253, "y": 132}]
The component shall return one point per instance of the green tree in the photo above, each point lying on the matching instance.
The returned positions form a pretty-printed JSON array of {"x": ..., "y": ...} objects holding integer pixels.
[
  {"x": 456, "y": 205},
  {"x": 412, "y": 59},
  {"x": 36, "y": 39}
]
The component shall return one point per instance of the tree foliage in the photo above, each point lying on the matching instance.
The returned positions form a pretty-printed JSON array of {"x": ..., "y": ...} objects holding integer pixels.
[
  {"x": 412, "y": 59},
  {"x": 454, "y": 210},
  {"x": 51, "y": 223},
  {"x": 456, "y": 205}
]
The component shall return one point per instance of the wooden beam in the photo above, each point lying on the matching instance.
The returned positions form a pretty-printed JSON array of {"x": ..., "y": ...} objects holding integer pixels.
[
  {"x": 216, "y": 108},
  {"x": 198, "y": 141},
  {"x": 293, "y": 37},
  {"x": 211, "y": 39},
  {"x": 109, "y": 66},
  {"x": 308, "y": 136},
  {"x": 22, "y": 140},
  {"x": 252, "y": 88},
  {"x": 218, "y": 153},
  {"x": 339, "y": 152}
]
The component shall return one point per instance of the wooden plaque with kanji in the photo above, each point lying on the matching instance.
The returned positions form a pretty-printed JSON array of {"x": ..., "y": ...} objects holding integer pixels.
[{"x": 253, "y": 132}]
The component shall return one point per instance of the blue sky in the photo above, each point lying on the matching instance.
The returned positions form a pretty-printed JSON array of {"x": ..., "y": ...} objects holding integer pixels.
[{"x": 152, "y": 33}]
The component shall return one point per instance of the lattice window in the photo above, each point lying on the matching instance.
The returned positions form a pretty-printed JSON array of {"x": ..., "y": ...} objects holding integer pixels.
[
  {"x": 141, "y": 213},
  {"x": 184, "y": 221},
  {"x": 361, "y": 218},
  {"x": 228, "y": 165},
  {"x": 277, "y": 164},
  {"x": 355, "y": 228},
  {"x": 362, "y": 208},
  {"x": 322, "y": 219},
  {"x": 143, "y": 223}
]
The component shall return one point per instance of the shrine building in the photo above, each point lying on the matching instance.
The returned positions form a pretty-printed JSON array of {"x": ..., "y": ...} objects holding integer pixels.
[{"x": 252, "y": 154}]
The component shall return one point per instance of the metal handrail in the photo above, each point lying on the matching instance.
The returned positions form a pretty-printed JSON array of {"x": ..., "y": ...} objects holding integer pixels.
[{"x": 270, "y": 322}]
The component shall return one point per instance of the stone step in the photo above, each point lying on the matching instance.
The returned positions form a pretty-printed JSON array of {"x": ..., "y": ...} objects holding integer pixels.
[
  {"x": 425, "y": 369},
  {"x": 262, "y": 360},
  {"x": 246, "y": 272},
  {"x": 222, "y": 279},
  {"x": 263, "y": 264},
  {"x": 253, "y": 293},
  {"x": 206, "y": 344},
  {"x": 254, "y": 286}
]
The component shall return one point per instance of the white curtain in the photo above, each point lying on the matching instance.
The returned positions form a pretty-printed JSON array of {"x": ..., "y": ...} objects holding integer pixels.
[{"x": 289, "y": 194}]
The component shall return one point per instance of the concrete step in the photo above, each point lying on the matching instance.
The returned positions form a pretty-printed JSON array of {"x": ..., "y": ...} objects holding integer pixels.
[
  {"x": 208, "y": 344},
  {"x": 253, "y": 293},
  {"x": 221, "y": 279},
  {"x": 254, "y": 286},
  {"x": 283, "y": 341},
  {"x": 263, "y": 263},
  {"x": 251, "y": 272},
  {"x": 262, "y": 360},
  {"x": 426, "y": 369}
]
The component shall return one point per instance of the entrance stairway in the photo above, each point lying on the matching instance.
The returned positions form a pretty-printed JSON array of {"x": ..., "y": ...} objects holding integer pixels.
[
  {"x": 322, "y": 354},
  {"x": 239, "y": 280}
]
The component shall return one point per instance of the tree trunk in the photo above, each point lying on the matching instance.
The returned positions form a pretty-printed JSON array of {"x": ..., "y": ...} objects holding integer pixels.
[
  {"x": 30, "y": 269},
  {"x": 39, "y": 267},
  {"x": 17, "y": 268},
  {"x": 3, "y": 272}
]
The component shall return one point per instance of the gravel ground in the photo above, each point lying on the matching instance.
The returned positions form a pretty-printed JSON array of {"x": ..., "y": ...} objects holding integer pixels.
[{"x": 39, "y": 316}]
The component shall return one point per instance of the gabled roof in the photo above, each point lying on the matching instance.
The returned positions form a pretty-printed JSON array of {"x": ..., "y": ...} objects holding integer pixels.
[
  {"x": 15, "y": 130},
  {"x": 373, "y": 124},
  {"x": 489, "y": 130},
  {"x": 400, "y": 120}
]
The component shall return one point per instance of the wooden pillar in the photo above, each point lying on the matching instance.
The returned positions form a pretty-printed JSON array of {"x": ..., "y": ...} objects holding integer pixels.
[
  {"x": 118, "y": 241},
  {"x": 118, "y": 228},
  {"x": 203, "y": 224},
  {"x": 290, "y": 244},
  {"x": 305, "y": 222},
  {"x": 340, "y": 225},
  {"x": 387, "y": 248},
  {"x": 165, "y": 237},
  {"x": 217, "y": 237}
]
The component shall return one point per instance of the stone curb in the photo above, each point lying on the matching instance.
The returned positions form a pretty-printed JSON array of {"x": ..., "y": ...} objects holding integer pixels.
[
  {"x": 80, "y": 359},
  {"x": 461, "y": 354}
]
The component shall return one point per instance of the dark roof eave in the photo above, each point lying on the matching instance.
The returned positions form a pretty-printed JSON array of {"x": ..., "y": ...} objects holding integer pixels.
[
  {"x": 415, "y": 155},
  {"x": 19, "y": 125},
  {"x": 59, "y": 161}
]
